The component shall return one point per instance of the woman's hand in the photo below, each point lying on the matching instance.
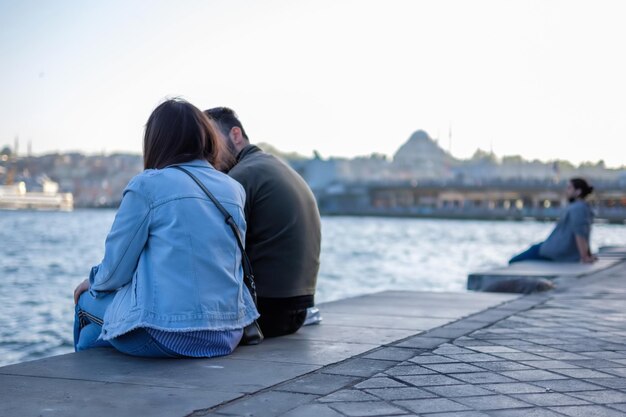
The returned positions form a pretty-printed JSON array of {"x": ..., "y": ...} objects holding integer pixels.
[{"x": 81, "y": 288}]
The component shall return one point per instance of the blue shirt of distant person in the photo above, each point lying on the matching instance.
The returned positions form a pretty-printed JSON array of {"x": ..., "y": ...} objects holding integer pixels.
[{"x": 569, "y": 241}]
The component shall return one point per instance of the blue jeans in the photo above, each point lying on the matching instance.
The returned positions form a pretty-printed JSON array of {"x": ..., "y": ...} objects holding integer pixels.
[
  {"x": 530, "y": 254},
  {"x": 89, "y": 313}
]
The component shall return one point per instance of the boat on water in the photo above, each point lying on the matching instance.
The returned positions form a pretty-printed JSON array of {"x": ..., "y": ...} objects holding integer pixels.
[{"x": 16, "y": 197}]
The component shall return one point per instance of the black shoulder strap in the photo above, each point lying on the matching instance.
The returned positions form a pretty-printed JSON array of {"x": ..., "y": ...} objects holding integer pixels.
[{"x": 245, "y": 261}]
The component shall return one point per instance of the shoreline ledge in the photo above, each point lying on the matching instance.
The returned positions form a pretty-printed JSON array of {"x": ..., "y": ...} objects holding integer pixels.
[
  {"x": 105, "y": 382},
  {"x": 560, "y": 352}
]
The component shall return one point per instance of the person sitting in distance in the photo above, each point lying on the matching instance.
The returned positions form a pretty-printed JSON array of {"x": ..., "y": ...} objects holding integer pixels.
[
  {"x": 284, "y": 232},
  {"x": 170, "y": 283},
  {"x": 569, "y": 241}
]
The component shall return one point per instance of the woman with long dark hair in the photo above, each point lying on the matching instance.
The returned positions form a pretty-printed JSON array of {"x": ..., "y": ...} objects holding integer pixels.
[{"x": 170, "y": 283}]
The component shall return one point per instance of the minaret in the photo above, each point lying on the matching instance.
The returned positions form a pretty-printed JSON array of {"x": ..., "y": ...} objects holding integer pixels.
[{"x": 16, "y": 146}]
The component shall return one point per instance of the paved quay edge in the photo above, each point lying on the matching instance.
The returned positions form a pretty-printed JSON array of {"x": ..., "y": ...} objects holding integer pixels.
[
  {"x": 356, "y": 369},
  {"x": 106, "y": 382},
  {"x": 416, "y": 375}
]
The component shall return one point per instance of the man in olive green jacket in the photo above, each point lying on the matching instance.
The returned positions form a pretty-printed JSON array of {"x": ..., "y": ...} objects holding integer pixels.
[{"x": 283, "y": 237}]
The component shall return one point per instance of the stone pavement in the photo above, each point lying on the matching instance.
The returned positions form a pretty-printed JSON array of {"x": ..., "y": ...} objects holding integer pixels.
[
  {"x": 562, "y": 353},
  {"x": 104, "y": 382}
]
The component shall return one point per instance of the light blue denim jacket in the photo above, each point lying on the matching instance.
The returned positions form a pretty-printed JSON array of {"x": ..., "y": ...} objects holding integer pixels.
[{"x": 170, "y": 257}]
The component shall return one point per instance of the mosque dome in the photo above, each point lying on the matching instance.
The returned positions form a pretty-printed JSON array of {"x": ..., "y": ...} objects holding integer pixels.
[{"x": 420, "y": 149}]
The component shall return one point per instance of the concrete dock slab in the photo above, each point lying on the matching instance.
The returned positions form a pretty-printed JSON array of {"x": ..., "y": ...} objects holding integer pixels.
[
  {"x": 539, "y": 269},
  {"x": 44, "y": 396},
  {"x": 105, "y": 382},
  {"x": 110, "y": 366},
  {"x": 394, "y": 353}
]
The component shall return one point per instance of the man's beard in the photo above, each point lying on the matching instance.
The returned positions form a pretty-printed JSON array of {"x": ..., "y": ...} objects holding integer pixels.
[{"x": 232, "y": 155}]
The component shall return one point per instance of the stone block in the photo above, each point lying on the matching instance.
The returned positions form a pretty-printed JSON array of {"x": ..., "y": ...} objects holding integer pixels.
[
  {"x": 550, "y": 399},
  {"x": 500, "y": 366},
  {"x": 393, "y": 354},
  {"x": 494, "y": 349},
  {"x": 452, "y": 391},
  {"x": 312, "y": 410},
  {"x": 358, "y": 367},
  {"x": 582, "y": 373},
  {"x": 422, "y": 342},
  {"x": 491, "y": 402},
  {"x": 562, "y": 355},
  {"x": 514, "y": 388},
  {"x": 524, "y": 412},
  {"x": 347, "y": 395},
  {"x": 588, "y": 411},
  {"x": 601, "y": 397},
  {"x": 474, "y": 357},
  {"x": 427, "y": 359},
  {"x": 567, "y": 385},
  {"x": 482, "y": 378},
  {"x": 379, "y": 383},
  {"x": 428, "y": 380},
  {"x": 594, "y": 364},
  {"x": 319, "y": 384},
  {"x": 518, "y": 356},
  {"x": 533, "y": 375},
  {"x": 408, "y": 370},
  {"x": 432, "y": 405},
  {"x": 458, "y": 414},
  {"x": 448, "y": 348},
  {"x": 449, "y": 332},
  {"x": 406, "y": 393},
  {"x": 453, "y": 368},
  {"x": 372, "y": 408},
  {"x": 265, "y": 404},
  {"x": 550, "y": 364},
  {"x": 616, "y": 383}
]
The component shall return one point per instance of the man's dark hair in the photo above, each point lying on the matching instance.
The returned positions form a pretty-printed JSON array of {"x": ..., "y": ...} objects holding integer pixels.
[
  {"x": 178, "y": 132},
  {"x": 582, "y": 185},
  {"x": 226, "y": 119}
]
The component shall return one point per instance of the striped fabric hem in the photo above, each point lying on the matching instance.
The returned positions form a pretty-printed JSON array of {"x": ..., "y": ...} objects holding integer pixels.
[{"x": 200, "y": 343}]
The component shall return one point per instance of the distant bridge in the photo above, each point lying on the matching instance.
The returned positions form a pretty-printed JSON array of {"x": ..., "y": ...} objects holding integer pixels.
[{"x": 495, "y": 200}]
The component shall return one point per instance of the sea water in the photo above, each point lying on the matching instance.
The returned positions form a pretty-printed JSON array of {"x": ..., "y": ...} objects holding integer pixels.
[{"x": 44, "y": 255}]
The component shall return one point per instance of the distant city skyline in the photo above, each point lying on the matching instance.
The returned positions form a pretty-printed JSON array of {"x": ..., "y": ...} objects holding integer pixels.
[
  {"x": 540, "y": 79},
  {"x": 294, "y": 155}
]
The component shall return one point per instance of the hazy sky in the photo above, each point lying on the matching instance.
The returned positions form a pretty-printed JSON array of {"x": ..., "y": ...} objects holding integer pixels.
[{"x": 544, "y": 79}]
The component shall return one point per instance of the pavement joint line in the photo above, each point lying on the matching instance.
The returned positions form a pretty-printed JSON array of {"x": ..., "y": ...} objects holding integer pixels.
[{"x": 64, "y": 378}]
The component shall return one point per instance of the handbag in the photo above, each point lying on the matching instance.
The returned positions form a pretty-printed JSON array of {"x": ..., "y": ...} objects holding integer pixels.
[{"x": 252, "y": 334}]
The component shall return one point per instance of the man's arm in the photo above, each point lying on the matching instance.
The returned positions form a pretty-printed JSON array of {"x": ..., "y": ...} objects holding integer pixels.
[{"x": 584, "y": 251}]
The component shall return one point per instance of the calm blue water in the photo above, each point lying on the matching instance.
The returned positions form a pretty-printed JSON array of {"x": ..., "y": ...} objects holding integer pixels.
[{"x": 43, "y": 255}]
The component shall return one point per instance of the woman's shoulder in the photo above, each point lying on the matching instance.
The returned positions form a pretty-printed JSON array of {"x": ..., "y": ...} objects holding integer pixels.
[
  {"x": 142, "y": 179},
  {"x": 152, "y": 182}
]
